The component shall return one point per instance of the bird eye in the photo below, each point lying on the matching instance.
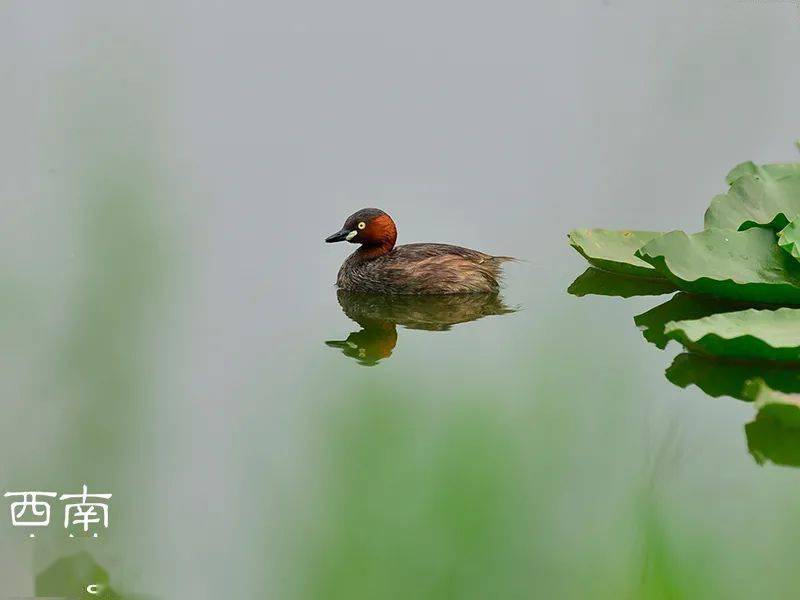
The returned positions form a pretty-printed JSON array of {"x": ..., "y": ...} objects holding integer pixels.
[{"x": 361, "y": 225}]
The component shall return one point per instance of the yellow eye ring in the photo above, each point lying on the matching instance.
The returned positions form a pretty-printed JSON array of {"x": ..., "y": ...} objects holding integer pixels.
[{"x": 362, "y": 225}]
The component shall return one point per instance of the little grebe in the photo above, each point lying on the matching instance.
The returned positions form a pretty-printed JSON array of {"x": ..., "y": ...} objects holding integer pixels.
[{"x": 378, "y": 267}]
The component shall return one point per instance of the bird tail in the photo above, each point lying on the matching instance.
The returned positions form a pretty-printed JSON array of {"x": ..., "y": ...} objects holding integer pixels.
[{"x": 502, "y": 259}]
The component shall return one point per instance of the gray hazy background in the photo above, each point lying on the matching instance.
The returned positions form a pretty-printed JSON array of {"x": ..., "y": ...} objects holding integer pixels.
[{"x": 169, "y": 171}]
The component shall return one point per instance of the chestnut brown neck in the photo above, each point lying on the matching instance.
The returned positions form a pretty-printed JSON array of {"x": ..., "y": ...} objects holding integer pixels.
[{"x": 379, "y": 239}]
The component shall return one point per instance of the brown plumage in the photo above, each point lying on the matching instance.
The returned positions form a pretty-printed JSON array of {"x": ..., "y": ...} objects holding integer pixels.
[{"x": 380, "y": 267}]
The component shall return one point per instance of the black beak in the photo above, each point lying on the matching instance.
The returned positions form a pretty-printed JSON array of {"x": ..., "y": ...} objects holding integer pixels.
[{"x": 339, "y": 236}]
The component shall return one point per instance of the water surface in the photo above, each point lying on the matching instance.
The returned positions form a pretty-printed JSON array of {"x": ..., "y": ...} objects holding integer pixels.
[{"x": 171, "y": 332}]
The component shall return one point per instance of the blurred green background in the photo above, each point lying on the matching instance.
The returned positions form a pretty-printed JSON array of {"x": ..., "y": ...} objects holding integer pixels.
[{"x": 169, "y": 173}]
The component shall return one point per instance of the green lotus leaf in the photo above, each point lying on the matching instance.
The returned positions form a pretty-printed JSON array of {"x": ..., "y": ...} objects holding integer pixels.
[
  {"x": 594, "y": 282},
  {"x": 768, "y": 440},
  {"x": 758, "y": 197},
  {"x": 789, "y": 238},
  {"x": 772, "y": 335},
  {"x": 681, "y": 306},
  {"x": 746, "y": 266},
  {"x": 773, "y": 403},
  {"x": 775, "y": 433},
  {"x": 750, "y": 168},
  {"x": 718, "y": 379},
  {"x": 614, "y": 250}
]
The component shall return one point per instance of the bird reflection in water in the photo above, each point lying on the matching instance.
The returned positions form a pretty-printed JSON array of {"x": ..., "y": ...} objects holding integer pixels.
[{"x": 379, "y": 315}]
